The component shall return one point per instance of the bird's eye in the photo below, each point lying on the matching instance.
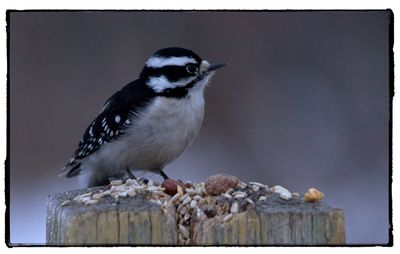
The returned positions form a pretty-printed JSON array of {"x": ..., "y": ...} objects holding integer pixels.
[{"x": 191, "y": 68}]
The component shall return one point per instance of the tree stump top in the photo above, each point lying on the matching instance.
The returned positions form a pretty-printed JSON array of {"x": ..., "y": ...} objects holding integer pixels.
[{"x": 246, "y": 215}]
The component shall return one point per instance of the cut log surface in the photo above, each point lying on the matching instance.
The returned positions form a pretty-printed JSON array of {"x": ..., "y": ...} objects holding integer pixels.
[{"x": 150, "y": 218}]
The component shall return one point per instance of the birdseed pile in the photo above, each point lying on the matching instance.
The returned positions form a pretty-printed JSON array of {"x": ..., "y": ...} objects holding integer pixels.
[{"x": 220, "y": 198}]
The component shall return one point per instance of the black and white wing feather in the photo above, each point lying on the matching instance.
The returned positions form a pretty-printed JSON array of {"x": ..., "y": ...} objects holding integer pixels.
[{"x": 117, "y": 115}]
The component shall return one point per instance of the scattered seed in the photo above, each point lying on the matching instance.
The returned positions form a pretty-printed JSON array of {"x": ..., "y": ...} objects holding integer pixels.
[
  {"x": 115, "y": 196},
  {"x": 240, "y": 195},
  {"x": 153, "y": 188},
  {"x": 228, "y": 196},
  {"x": 179, "y": 208},
  {"x": 262, "y": 198},
  {"x": 131, "y": 193},
  {"x": 283, "y": 193},
  {"x": 186, "y": 201},
  {"x": 122, "y": 194},
  {"x": 106, "y": 193},
  {"x": 250, "y": 201},
  {"x": 186, "y": 217},
  {"x": 257, "y": 184},
  {"x": 66, "y": 202},
  {"x": 228, "y": 217},
  {"x": 220, "y": 183},
  {"x": 193, "y": 204},
  {"x": 91, "y": 202},
  {"x": 255, "y": 188},
  {"x": 179, "y": 190},
  {"x": 117, "y": 188},
  {"x": 174, "y": 198},
  {"x": 238, "y": 192},
  {"x": 197, "y": 197},
  {"x": 234, "y": 208},
  {"x": 313, "y": 195},
  {"x": 184, "y": 231},
  {"x": 130, "y": 182},
  {"x": 296, "y": 194},
  {"x": 190, "y": 191},
  {"x": 242, "y": 184},
  {"x": 84, "y": 199},
  {"x": 183, "y": 197},
  {"x": 97, "y": 196},
  {"x": 183, "y": 210},
  {"x": 116, "y": 182},
  {"x": 202, "y": 201}
]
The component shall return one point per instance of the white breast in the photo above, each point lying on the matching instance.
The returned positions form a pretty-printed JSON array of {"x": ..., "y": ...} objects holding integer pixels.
[{"x": 157, "y": 136}]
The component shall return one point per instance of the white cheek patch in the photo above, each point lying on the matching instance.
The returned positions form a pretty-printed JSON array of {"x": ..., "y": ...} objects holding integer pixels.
[
  {"x": 158, "y": 62},
  {"x": 161, "y": 83}
]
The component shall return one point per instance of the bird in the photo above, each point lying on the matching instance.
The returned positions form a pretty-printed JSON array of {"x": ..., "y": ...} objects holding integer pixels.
[{"x": 148, "y": 123}]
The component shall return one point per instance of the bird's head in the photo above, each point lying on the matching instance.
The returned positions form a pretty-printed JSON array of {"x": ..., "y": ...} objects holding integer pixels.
[{"x": 176, "y": 70}]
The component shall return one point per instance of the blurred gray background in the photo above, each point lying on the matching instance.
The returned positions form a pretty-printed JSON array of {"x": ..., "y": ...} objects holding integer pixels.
[{"x": 304, "y": 102}]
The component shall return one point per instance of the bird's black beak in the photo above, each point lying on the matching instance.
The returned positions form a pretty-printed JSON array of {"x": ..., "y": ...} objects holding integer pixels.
[{"x": 215, "y": 67}]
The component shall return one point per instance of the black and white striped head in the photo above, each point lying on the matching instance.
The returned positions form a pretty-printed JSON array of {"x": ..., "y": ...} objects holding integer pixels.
[{"x": 174, "y": 71}]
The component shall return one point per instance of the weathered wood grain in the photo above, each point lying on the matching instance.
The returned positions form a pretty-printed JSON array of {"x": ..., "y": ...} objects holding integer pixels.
[
  {"x": 274, "y": 222},
  {"x": 141, "y": 221}
]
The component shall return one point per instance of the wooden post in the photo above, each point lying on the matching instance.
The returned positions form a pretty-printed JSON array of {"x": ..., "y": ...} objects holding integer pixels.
[{"x": 143, "y": 220}]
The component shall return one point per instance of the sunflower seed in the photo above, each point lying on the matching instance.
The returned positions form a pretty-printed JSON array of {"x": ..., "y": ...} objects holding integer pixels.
[{"x": 228, "y": 217}]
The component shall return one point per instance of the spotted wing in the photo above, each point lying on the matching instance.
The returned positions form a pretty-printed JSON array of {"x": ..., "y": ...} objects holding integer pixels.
[{"x": 117, "y": 116}]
